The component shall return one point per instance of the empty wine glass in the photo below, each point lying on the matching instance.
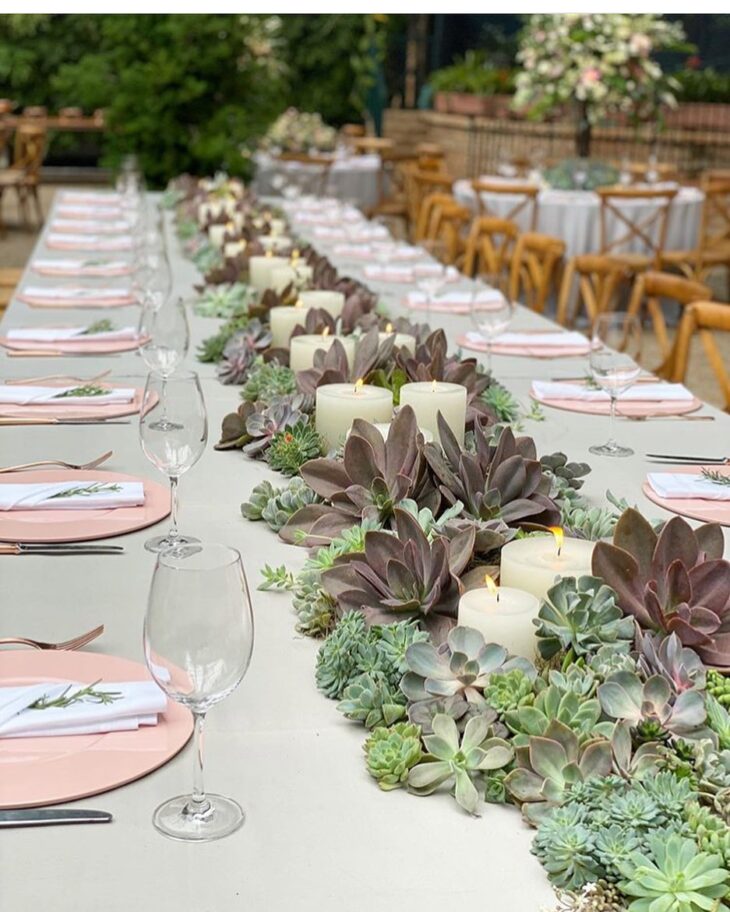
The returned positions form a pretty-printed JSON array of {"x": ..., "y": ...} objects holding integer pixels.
[
  {"x": 198, "y": 640},
  {"x": 165, "y": 336},
  {"x": 174, "y": 442},
  {"x": 615, "y": 350},
  {"x": 491, "y": 311},
  {"x": 431, "y": 283}
]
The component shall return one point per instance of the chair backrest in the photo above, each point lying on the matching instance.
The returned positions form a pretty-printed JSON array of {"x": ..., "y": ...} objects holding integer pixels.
[
  {"x": 702, "y": 317},
  {"x": 642, "y": 171},
  {"x": 71, "y": 113},
  {"x": 715, "y": 229},
  {"x": 489, "y": 246},
  {"x": 367, "y": 145},
  {"x": 599, "y": 278},
  {"x": 35, "y": 111},
  {"x": 441, "y": 220},
  {"x": 650, "y": 288},
  {"x": 534, "y": 264},
  {"x": 635, "y": 216},
  {"x": 418, "y": 185},
  {"x": 524, "y": 194},
  {"x": 30, "y": 147}
]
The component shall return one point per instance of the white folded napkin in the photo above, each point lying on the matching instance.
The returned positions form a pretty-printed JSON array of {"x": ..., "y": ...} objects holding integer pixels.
[
  {"x": 89, "y": 226},
  {"x": 395, "y": 273},
  {"x": 70, "y": 334},
  {"x": 675, "y": 485},
  {"x": 89, "y": 197},
  {"x": 89, "y": 267},
  {"x": 51, "y": 395},
  {"x": 104, "y": 495},
  {"x": 80, "y": 294},
  {"x": 546, "y": 339},
  {"x": 453, "y": 299},
  {"x": 137, "y": 703},
  {"x": 88, "y": 241},
  {"x": 641, "y": 392},
  {"x": 394, "y": 252}
]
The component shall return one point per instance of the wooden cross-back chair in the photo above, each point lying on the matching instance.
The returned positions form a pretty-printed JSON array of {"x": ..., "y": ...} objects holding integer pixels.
[
  {"x": 372, "y": 145},
  {"x": 599, "y": 278},
  {"x": 701, "y": 318},
  {"x": 419, "y": 184},
  {"x": 535, "y": 263},
  {"x": 442, "y": 221},
  {"x": 713, "y": 247},
  {"x": 634, "y": 223},
  {"x": 650, "y": 288},
  {"x": 24, "y": 174},
  {"x": 641, "y": 172},
  {"x": 489, "y": 246},
  {"x": 315, "y": 179},
  {"x": 525, "y": 200}
]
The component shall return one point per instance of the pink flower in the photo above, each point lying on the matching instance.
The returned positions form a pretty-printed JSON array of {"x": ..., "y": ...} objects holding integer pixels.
[
  {"x": 590, "y": 76},
  {"x": 640, "y": 45}
]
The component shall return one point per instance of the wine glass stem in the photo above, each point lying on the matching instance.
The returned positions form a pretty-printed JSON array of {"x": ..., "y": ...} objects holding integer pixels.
[
  {"x": 174, "y": 481},
  {"x": 611, "y": 417},
  {"x": 198, "y": 796},
  {"x": 489, "y": 356}
]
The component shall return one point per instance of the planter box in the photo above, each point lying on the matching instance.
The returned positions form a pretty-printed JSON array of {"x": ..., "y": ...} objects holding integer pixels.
[
  {"x": 469, "y": 105},
  {"x": 699, "y": 115}
]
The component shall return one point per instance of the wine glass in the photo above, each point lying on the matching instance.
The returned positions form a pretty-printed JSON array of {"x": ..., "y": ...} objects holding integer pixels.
[
  {"x": 174, "y": 442},
  {"x": 431, "y": 284},
  {"x": 198, "y": 640},
  {"x": 165, "y": 333},
  {"x": 491, "y": 311},
  {"x": 615, "y": 350}
]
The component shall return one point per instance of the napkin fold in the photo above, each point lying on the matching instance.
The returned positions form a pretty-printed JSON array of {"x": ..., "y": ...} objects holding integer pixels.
[
  {"x": 679, "y": 486},
  {"x": 44, "y": 495},
  {"x": 87, "y": 242},
  {"x": 640, "y": 392},
  {"x": 460, "y": 299},
  {"x": 81, "y": 267},
  {"x": 139, "y": 703},
  {"x": 396, "y": 273},
  {"x": 545, "y": 339},
  {"x": 81, "y": 211},
  {"x": 90, "y": 226},
  {"x": 69, "y": 334},
  {"x": 60, "y": 293},
  {"x": 394, "y": 252},
  {"x": 90, "y": 197},
  {"x": 51, "y": 395}
]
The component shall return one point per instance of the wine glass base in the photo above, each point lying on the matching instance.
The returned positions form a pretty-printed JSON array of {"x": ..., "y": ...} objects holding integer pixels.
[
  {"x": 162, "y": 543},
  {"x": 610, "y": 449},
  {"x": 179, "y": 819},
  {"x": 164, "y": 424}
]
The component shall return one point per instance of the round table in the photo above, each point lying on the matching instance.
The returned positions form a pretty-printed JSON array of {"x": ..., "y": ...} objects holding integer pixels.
[{"x": 574, "y": 215}]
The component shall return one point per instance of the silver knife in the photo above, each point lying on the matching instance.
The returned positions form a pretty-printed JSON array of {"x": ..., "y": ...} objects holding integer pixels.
[
  {"x": 51, "y": 816},
  {"x": 700, "y": 460},
  {"x": 59, "y": 548}
]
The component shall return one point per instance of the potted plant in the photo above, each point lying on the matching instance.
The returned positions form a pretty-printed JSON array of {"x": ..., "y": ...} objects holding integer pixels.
[{"x": 472, "y": 87}]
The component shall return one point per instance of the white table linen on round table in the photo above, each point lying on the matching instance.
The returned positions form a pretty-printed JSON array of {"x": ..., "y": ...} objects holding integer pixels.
[
  {"x": 352, "y": 177},
  {"x": 574, "y": 215},
  {"x": 319, "y": 835}
]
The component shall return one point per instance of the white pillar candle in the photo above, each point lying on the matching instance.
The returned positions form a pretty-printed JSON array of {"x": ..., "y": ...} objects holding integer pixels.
[
  {"x": 203, "y": 213},
  {"x": 402, "y": 340},
  {"x": 283, "y": 320},
  {"x": 238, "y": 219},
  {"x": 285, "y": 275},
  {"x": 278, "y": 226},
  {"x": 503, "y": 615},
  {"x": 216, "y": 208},
  {"x": 259, "y": 270},
  {"x": 233, "y": 248},
  {"x": 272, "y": 242},
  {"x": 537, "y": 562},
  {"x": 216, "y": 233},
  {"x": 338, "y": 404},
  {"x": 331, "y": 301},
  {"x": 229, "y": 205},
  {"x": 302, "y": 349},
  {"x": 385, "y": 430},
  {"x": 430, "y": 397}
]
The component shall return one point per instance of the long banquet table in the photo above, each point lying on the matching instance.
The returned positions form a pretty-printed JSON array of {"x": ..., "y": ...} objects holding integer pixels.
[{"x": 319, "y": 834}]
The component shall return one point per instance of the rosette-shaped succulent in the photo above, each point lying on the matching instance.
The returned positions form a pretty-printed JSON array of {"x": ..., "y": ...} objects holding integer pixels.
[
  {"x": 275, "y": 505},
  {"x": 674, "y": 875},
  {"x": 337, "y": 659},
  {"x": 554, "y": 704},
  {"x": 390, "y": 753},
  {"x": 502, "y": 481},
  {"x": 651, "y": 707},
  {"x": 508, "y": 690},
  {"x": 459, "y": 759},
  {"x": 674, "y": 582},
  {"x": 268, "y": 381},
  {"x": 403, "y": 576},
  {"x": 292, "y": 447},
  {"x": 221, "y": 300},
  {"x": 373, "y": 701},
  {"x": 610, "y": 659},
  {"x": 241, "y": 351},
  {"x": 665, "y": 656},
  {"x": 263, "y": 426},
  {"x": 371, "y": 479},
  {"x": 233, "y": 429},
  {"x": 460, "y": 667},
  {"x": 549, "y": 765},
  {"x": 581, "y": 615}
]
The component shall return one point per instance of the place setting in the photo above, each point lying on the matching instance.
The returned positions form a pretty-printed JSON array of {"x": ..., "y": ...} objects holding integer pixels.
[
  {"x": 75, "y": 297},
  {"x": 53, "y": 399},
  {"x": 56, "y": 240},
  {"x": 99, "y": 337},
  {"x": 85, "y": 268}
]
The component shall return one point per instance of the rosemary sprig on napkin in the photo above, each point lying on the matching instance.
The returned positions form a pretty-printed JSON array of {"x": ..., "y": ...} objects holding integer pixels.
[
  {"x": 96, "y": 487},
  {"x": 716, "y": 477},
  {"x": 89, "y": 389},
  {"x": 99, "y": 326},
  {"x": 87, "y": 694}
]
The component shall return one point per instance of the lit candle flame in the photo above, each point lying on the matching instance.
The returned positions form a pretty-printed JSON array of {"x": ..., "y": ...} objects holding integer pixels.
[
  {"x": 433, "y": 386},
  {"x": 359, "y": 385},
  {"x": 269, "y": 252},
  {"x": 325, "y": 331},
  {"x": 389, "y": 328},
  {"x": 492, "y": 587},
  {"x": 558, "y": 535},
  {"x": 295, "y": 254},
  {"x": 298, "y": 303},
  {"x": 230, "y": 226}
]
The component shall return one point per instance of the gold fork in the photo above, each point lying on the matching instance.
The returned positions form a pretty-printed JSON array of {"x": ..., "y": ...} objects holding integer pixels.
[
  {"x": 59, "y": 462},
  {"x": 74, "y": 643},
  {"x": 30, "y": 380}
]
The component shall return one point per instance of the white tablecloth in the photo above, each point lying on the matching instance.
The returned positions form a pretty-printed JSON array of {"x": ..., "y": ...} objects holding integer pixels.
[
  {"x": 353, "y": 177},
  {"x": 574, "y": 215}
]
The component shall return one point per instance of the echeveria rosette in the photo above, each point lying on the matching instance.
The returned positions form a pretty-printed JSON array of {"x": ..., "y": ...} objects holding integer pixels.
[
  {"x": 665, "y": 656},
  {"x": 554, "y": 704},
  {"x": 372, "y": 700},
  {"x": 292, "y": 447},
  {"x": 674, "y": 582},
  {"x": 461, "y": 760},
  {"x": 390, "y": 754},
  {"x": 404, "y": 576},
  {"x": 263, "y": 426},
  {"x": 241, "y": 351},
  {"x": 674, "y": 876}
]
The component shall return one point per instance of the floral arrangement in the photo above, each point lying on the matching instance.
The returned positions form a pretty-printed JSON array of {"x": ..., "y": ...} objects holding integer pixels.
[
  {"x": 299, "y": 131},
  {"x": 580, "y": 174},
  {"x": 613, "y": 739}
]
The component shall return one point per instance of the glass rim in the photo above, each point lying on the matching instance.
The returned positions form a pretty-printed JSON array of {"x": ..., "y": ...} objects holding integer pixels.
[
  {"x": 167, "y": 558},
  {"x": 177, "y": 375}
]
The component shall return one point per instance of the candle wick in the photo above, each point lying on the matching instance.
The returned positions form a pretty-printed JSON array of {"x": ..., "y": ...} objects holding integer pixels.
[
  {"x": 498, "y": 596},
  {"x": 560, "y": 548}
]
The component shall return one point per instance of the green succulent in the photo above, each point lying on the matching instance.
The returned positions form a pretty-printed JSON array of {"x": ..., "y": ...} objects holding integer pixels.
[
  {"x": 567, "y": 477},
  {"x": 268, "y": 380},
  {"x": 211, "y": 349},
  {"x": 222, "y": 300},
  {"x": 292, "y": 447},
  {"x": 314, "y": 608},
  {"x": 674, "y": 876},
  {"x": 554, "y": 705},
  {"x": 373, "y": 701},
  {"x": 393, "y": 643},
  {"x": 577, "y": 679},
  {"x": 253, "y": 508},
  {"x": 428, "y": 522},
  {"x": 206, "y": 257},
  {"x": 592, "y": 523},
  {"x": 502, "y": 402},
  {"x": 580, "y": 616},
  {"x": 461, "y": 760},
  {"x": 508, "y": 690},
  {"x": 187, "y": 229},
  {"x": 349, "y": 541},
  {"x": 596, "y": 896},
  {"x": 610, "y": 659},
  {"x": 718, "y": 685},
  {"x": 718, "y": 719},
  {"x": 710, "y": 831},
  {"x": 283, "y": 504},
  {"x": 565, "y": 846},
  {"x": 337, "y": 657},
  {"x": 391, "y": 753}
]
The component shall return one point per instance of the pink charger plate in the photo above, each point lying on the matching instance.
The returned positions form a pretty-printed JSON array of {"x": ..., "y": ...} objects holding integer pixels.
[
  {"x": 527, "y": 351},
  {"x": 107, "y": 410},
  {"x": 39, "y": 771},
  {"x": 436, "y": 307},
  {"x": 72, "y": 348},
  {"x": 108, "y": 246},
  {"x": 81, "y": 525},
  {"x": 717, "y": 511},
  {"x": 124, "y": 300},
  {"x": 633, "y": 409}
]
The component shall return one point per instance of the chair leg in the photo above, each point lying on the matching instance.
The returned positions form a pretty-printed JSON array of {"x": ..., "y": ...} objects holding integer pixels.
[
  {"x": 3, "y": 229},
  {"x": 38, "y": 207}
]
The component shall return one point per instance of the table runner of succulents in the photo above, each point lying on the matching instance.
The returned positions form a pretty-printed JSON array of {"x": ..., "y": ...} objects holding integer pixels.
[{"x": 615, "y": 741}]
